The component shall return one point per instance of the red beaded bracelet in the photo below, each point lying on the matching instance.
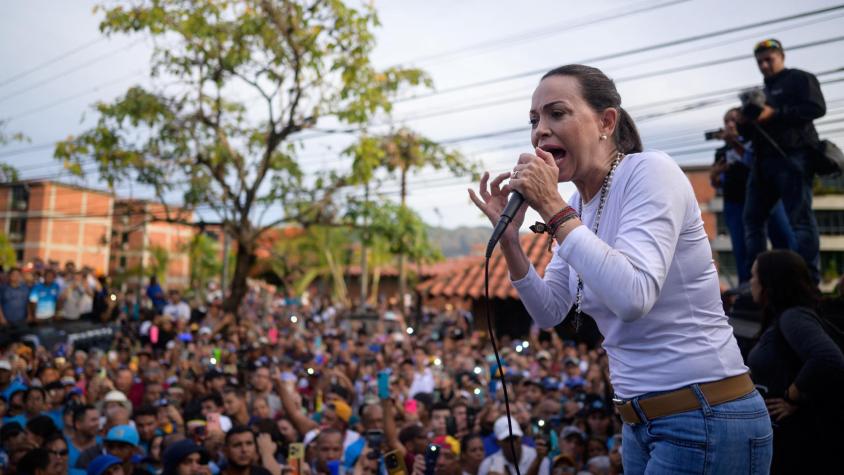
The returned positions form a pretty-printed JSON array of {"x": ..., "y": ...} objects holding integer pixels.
[{"x": 566, "y": 214}]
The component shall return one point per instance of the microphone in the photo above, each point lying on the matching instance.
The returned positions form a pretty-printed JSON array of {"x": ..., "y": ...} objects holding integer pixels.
[{"x": 513, "y": 205}]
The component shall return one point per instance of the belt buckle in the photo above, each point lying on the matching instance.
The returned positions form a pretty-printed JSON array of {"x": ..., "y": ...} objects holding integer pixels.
[{"x": 619, "y": 401}]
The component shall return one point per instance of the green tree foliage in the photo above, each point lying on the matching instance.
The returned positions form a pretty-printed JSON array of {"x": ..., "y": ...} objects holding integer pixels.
[
  {"x": 8, "y": 173},
  {"x": 159, "y": 263},
  {"x": 390, "y": 230},
  {"x": 318, "y": 252},
  {"x": 242, "y": 79},
  {"x": 205, "y": 261},
  {"x": 400, "y": 153}
]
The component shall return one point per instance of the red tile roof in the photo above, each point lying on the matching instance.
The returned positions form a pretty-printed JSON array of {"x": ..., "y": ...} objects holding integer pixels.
[
  {"x": 467, "y": 278},
  {"x": 266, "y": 242},
  {"x": 428, "y": 270}
]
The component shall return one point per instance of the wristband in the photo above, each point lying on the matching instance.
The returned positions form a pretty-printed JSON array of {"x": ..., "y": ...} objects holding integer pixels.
[{"x": 566, "y": 214}]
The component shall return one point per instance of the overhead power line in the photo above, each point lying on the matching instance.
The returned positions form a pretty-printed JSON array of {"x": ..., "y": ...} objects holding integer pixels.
[
  {"x": 54, "y": 103},
  {"x": 714, "y": 62},
  {"x": 51, "y": 61},
  {"x": 732, "y": 90},
  {"x": 70, "y": 70},
  {"x": 318, "y": 133},
  {"x": 539, "y": 33},
  {"x": 23, "y": 150},
  {"x": 643, "y": 49},
  {"x": 496, "y": 102},
  {"x": 637, "y": 63}
]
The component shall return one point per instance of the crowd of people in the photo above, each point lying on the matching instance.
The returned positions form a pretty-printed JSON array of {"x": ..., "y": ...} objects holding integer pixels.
[
  {"x": 294, "y": 388},
  {"x": 46, "y": 292}
]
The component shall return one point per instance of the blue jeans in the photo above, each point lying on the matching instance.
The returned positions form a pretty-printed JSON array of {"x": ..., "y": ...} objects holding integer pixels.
[
  {"x": 779, "y": 231},
  {"x": 734, "y": 437},
  {"x": 788, "y": 178}
]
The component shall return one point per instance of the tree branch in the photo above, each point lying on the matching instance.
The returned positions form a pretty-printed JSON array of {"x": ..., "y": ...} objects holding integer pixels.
[{"x": 216, "y": 172}]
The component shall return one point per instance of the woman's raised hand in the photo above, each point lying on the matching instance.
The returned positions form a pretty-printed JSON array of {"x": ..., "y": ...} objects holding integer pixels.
[{"x": 492, "y": 198}]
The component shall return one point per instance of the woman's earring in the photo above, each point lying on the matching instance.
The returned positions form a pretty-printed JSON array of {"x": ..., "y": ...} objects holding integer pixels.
[{"x": 603, "y": 136}]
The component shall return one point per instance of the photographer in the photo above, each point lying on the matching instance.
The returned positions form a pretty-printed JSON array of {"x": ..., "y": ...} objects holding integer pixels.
[
  {"x": 730, "y": 173},
  {"x": 780, "y": 126}
]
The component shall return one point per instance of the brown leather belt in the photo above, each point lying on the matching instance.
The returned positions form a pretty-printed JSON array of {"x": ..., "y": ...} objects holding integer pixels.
[{"x": 684, "y": 399}]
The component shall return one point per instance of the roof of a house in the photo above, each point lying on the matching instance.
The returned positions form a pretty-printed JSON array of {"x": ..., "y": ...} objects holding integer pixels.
[
  {"x": 467, "y": 279},
  {"x": 265, "y": 243},
  {"x": 427, "y": 270},
  {"x": 43, "y": 182}
]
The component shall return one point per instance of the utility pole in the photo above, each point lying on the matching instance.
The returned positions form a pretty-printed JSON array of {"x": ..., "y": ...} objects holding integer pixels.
[
  {"x": 364, "y": 270},
  {"x": 224, "y": 281}
]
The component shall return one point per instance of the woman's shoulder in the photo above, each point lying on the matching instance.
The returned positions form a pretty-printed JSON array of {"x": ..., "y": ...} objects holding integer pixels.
[
  {"x": 799, "y": 316},
  {"x": 654, "y": 168},
  {"x": 799, "y": 312},
  {"x": 652, "y": 159}
]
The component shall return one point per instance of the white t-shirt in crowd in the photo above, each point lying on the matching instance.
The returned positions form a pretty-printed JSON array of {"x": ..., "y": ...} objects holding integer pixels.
[
  {"x": 422, "y": 383},
  {"x": 349, "y": 438},
  {"x": 180, "y": 311},
  {"x": 497, "y": 463}
]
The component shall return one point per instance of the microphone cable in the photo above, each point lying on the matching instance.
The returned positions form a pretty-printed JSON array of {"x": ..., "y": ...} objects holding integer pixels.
[{"x": 498, "y": 362}]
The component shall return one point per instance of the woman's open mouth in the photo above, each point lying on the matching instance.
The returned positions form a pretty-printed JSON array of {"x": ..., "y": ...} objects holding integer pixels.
[{"x": 558, "y": 152}]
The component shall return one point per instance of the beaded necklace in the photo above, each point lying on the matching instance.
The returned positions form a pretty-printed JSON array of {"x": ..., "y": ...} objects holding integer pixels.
[{"x": 605, "y": 189}]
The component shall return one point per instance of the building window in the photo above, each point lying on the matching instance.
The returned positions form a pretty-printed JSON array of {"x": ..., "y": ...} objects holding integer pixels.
[
  {"x": 830, "y": 222},
  {"x": 20, "y": 198},
  {"x": 17, "y": 229},
  {"x": 829, "y": 185},
  {"x": 832, "y": 264},
  {"x": 213, "y": 235},
  {"x": 727, "y": 263},
  {"x": 122, "y": 264},
  {"x": 721, "y": 225}
]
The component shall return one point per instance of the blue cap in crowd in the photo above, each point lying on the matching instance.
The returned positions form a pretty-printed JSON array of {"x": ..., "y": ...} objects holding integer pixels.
[
  {"x": 125, "y": 434},
  {"x": 99, "y": 465},
  {"x": 14, "y": 387}
]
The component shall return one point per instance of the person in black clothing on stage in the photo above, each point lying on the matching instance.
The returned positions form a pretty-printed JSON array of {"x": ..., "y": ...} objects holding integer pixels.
[
  {"x": 797, "y": 366},
  {"x": 783, "y": 135},
  {"x": 729, "y": 173}
]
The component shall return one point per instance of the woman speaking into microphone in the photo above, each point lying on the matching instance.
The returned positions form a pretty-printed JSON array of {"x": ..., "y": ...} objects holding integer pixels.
[{"x": 633, "y": 254}]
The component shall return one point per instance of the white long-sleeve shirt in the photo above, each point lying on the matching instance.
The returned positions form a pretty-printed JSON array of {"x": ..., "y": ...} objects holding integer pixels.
[{"x": 649, "y": 282}]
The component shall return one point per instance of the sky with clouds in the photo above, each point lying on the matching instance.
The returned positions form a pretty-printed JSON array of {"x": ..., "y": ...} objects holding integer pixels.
[{"x": 485, "y": 58}]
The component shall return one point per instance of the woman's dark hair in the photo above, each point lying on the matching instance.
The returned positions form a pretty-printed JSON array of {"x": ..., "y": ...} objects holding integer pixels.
[
  {"x": 786, "y": 283},
  {"x": 239, "y": 430},
  {"x": 42, "y": 426},
  {"x": 600, "y": 93},
  {"x": 35, "y": 459},
  {"x": 54, "y": 437},
  {"x": 464, "y": 442}
]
